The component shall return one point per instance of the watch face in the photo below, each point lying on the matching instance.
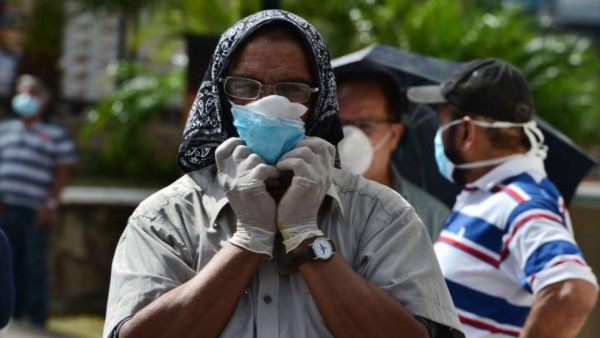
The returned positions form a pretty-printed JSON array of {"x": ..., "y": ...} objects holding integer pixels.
[{"x": 322, "y": 249}]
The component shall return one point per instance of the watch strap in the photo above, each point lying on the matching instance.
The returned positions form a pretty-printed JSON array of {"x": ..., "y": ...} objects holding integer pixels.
[{"x": 288, "y": 263}]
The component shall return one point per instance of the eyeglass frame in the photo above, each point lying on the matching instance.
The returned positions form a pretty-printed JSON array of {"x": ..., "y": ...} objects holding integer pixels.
[
  {"x": 371, "y": 123},
  {"x": 261, "y": 86}
]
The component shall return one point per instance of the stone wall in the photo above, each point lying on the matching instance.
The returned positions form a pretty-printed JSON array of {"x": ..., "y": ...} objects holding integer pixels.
[{"x": 82, "y": 244}]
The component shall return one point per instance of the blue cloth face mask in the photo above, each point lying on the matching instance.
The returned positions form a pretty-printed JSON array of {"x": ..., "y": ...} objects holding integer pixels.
[
  {"x": 446, "y": 167},
  {"x": 267, "y": 136},
  {"x": 25, "y": 105}
]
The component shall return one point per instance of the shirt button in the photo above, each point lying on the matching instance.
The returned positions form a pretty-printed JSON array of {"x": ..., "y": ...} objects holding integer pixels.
[
  {"x": 267, "y": 299},
  {"x": 215, "y": 225}
]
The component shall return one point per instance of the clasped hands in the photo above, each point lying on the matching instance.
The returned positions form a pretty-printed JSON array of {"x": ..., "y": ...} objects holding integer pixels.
[{"x": 243, "y": 176}]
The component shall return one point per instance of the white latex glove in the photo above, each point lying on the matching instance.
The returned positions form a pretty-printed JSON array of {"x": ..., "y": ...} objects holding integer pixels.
[
  {"x": 242, "y": 175},
  {"x": 312, "y": 164}
]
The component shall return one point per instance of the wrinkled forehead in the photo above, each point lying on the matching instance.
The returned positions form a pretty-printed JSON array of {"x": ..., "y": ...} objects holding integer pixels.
[{"x": 234, "y": 41}]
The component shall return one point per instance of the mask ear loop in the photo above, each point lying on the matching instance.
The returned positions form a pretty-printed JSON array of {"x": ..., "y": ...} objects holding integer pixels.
[
  {"x": 536, "y": 140},
  {"x": 534, "y": 134},
  {"x": 382, "y": 141}
]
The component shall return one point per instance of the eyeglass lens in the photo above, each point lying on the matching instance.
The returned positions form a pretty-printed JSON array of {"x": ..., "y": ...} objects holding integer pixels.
[{"x": 243, "y": 88}]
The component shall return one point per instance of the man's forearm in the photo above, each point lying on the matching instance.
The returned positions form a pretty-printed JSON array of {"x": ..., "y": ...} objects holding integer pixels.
[
  {"x": 61, "y": 175},
  {"x": 560, "y": 310},
  {"x": 202, "y": 306},
  {"x": 354, "y": 307}
]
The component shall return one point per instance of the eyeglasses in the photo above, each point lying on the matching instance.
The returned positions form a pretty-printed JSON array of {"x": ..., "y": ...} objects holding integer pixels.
[
  {"x": 367, "y": 126},
  {"x": 248, "y": 89}
]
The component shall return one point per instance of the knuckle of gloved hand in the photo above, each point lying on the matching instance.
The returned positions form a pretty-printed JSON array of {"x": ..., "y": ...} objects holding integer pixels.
[
  {"x": 301, "y": 166},
  {"x": 254, "y": 159},
  {"x": 227, "y": 146},
  {"x": 260, "y": 170},
  {"x": 240, "y": 152},
  {"x": 307, "y": 155},
  {"x": 249, "y": 163}
]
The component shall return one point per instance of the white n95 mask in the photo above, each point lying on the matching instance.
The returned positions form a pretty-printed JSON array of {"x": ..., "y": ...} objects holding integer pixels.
[{"x": 356, "y": 150}]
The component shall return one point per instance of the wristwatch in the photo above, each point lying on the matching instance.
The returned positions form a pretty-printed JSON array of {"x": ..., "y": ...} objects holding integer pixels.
[{"x": 321, "y": 249}]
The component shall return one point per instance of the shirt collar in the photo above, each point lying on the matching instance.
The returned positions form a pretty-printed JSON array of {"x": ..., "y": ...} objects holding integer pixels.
[
  {"x": 214, "y": 195},
  {"x": 333, "y": 193},
  {"x": 522, "y": 163}
]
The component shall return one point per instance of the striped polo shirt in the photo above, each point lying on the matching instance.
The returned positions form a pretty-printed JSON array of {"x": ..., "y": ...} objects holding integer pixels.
[
  {"x": 509, "y": 236},
  {"x": 28, "y": 157}
]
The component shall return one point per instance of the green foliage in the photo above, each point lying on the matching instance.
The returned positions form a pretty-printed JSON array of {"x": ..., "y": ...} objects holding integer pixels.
[
  {"x": 563, "y": 69},
  {"x": 205, "y": 17},
  {"x": 125, "y": 6},
  {"x": 181, "y": 16},
  {"x": 116, "y": 133},
  {"x": 120, "y": 121}
]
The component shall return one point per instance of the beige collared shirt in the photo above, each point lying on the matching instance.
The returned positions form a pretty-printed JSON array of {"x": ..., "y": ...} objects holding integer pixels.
[{"x": 174, "y": 233}]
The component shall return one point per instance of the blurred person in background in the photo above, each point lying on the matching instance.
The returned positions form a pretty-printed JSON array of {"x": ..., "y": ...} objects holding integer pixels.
[
  {"x": 34, "y": 166},
  {"x": 371, "y": 108},
  {"x": 7, "y": 288},
  {"x": 11, "y": 52},
  {"x": 507, "y": 252},
  {"x": 273, "y": 241}
]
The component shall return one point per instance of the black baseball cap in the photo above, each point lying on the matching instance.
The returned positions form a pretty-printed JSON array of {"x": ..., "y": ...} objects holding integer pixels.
[{"x": 487, "y": 87}]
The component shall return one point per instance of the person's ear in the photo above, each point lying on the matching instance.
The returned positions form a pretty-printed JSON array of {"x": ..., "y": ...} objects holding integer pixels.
[
  {"x": 397, "y": 131},
  {"x": 470, "y": 135}
]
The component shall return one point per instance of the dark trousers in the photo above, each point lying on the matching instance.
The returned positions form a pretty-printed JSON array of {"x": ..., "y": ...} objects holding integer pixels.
[{"x": 29, "y": 262}]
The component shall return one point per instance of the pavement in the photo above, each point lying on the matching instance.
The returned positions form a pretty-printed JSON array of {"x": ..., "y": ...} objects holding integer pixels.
[{"x": 24, "y": 330}]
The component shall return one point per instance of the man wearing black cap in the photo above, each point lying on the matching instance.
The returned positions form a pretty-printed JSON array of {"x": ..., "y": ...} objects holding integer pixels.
[{"x": 507, "y": 251}]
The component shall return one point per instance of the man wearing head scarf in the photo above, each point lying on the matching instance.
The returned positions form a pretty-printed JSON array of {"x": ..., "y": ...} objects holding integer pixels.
[{"x": 264, "y": 236}]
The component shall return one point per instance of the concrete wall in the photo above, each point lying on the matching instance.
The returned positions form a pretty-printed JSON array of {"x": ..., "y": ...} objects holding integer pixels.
[{"x": 82, "y": 245}]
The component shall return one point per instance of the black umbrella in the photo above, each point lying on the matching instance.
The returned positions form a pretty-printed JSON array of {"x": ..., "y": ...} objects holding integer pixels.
[{"x": 566, "y": 163}]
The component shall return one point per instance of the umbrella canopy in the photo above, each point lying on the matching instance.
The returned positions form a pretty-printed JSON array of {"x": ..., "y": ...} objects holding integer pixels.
[{"x": 566, "y": 163}]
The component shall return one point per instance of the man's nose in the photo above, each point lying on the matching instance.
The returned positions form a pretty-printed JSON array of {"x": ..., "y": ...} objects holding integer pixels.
[{"x": 266, "y": 90}]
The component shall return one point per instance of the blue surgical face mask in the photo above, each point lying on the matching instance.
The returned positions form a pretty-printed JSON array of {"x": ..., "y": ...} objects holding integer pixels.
[
  {"x": 446, "y": 166},
  {"x": 25, "y": 105},
  {"x": 268, "y": 137}
]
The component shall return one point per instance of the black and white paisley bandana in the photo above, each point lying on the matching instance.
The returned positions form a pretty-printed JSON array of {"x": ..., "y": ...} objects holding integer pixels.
[{"x": 210, "y": 122}]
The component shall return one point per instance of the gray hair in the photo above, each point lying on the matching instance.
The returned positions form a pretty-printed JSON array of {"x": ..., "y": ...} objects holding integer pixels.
[{"x": 27, "y": 80}]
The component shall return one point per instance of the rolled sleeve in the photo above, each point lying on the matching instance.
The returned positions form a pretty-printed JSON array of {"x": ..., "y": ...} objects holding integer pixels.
[
  {"x": 397, "y": 255},
  {"x": 149, "y": 261},
  {"x": 546, "y": 253}
]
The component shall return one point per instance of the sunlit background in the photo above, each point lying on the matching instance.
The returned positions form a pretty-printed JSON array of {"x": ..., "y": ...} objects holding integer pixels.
[{"x": 123, "y": 74}]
